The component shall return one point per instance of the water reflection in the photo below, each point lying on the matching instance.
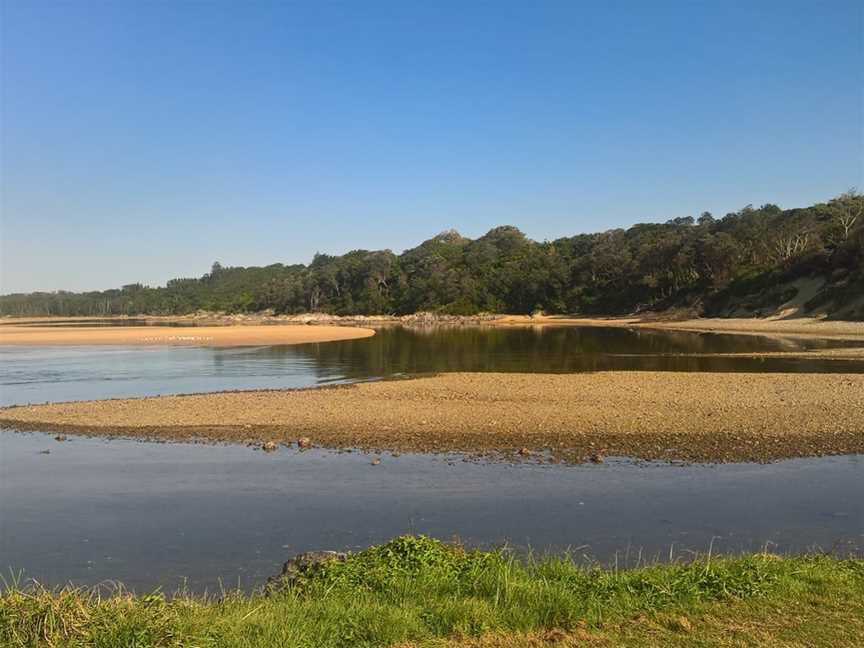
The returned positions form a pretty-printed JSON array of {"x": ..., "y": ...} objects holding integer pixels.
[
  {"x": 552, "y": 350},
  {"x": 31, "y": 374},
  {"x": 155, "y": 514}
]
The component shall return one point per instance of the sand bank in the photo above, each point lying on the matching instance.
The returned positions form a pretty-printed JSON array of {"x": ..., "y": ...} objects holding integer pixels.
[
  {"x": 799, "y": 327},
  {"x": 812, "y": 327},
  {"x": 653, "y": 415},
  {"x": 177, "y": 335},
  {"x": 805, "y": 327}
]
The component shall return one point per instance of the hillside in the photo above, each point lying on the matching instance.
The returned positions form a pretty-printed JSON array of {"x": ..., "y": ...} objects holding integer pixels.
[{"x": 752, "y": 262}]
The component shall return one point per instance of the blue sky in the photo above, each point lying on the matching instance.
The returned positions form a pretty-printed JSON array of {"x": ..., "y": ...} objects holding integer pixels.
[{"x": 144, "y": 140}]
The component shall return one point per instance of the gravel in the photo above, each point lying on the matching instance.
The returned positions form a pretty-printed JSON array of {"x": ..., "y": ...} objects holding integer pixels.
[{"x": 536, "y": 417}]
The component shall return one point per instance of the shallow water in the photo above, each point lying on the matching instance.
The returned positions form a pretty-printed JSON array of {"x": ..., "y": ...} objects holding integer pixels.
[
  {"x": 39, "y": 374},
  {"x": 156, "y": 515},
  {"x": 153, "y": 515}
]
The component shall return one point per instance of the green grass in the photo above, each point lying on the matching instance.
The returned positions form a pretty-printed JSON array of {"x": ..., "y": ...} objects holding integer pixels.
[{"x": 414, "y": 591}]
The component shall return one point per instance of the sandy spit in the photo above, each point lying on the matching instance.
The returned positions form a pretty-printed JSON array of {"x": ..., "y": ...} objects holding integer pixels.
[
  {"x": 574, "y": 417},
  {"x": 800, "y": 327},
  {"x": 177, "y": 336}
]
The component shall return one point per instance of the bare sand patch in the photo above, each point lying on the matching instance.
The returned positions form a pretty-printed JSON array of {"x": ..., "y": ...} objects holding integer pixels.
[
  {"x": 801, "y": 327},
  {"x": 808, "y": 327},
  {"x": 652, "y": 415},
  {"x": 811, "y": 327},
  {"x": 177, "y": 335}
]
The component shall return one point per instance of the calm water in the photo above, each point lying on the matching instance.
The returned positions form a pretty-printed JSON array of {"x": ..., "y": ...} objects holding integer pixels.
[
  {"x": 155, "y": 514},
  {"x": 75, "y": 373},
  {"x": 152, "y": 515}
]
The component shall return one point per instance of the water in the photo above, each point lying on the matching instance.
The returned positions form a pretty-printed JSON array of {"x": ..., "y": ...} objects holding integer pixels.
[
  {"x": 34, "y": 374},
  {"x": 39, "y": 374},
  {"x": 156, "y": 515}
]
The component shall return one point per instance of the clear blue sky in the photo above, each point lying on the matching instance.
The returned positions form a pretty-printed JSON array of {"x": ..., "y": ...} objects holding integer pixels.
[{"x": 143, "y": 140}]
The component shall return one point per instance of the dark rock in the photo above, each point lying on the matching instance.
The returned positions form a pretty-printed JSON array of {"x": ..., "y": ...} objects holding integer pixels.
[
  {"x": 60, "y": 437},
  {"x": 302, "y": 562},
  {"x": 300, "y": 565}
]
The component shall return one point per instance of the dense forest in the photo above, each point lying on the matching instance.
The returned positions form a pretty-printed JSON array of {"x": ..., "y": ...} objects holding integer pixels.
[{"x": 750, "y": 261}]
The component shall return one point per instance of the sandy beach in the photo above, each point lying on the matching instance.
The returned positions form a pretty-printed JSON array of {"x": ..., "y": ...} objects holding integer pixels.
[
  {"x": 652, "y": 415},
  {"x": 176, "y": 335}
]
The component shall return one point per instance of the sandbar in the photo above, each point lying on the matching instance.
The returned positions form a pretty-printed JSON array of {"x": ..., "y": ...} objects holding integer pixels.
[
  {"x": 713, "y": 417},
  {"x": 177, "y": 335},
  {"x": 798, "y": 327}
]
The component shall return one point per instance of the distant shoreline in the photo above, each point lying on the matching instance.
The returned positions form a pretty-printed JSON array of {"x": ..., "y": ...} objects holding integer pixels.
[
  {"x": 569, "y": 417},
  {"x": 800, "y": 327}
]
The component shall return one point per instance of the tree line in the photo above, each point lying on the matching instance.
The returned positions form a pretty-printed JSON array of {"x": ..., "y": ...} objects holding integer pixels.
[{"x": 744, "y": 260}]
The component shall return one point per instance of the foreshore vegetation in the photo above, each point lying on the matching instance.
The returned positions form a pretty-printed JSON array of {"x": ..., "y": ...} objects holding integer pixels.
[
  {"x": 415, "y": 591},
  {"x": 747, "y": 263}
]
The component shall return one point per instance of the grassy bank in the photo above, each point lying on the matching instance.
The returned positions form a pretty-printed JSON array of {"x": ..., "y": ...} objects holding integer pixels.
[{"x": 418, "y": 592}]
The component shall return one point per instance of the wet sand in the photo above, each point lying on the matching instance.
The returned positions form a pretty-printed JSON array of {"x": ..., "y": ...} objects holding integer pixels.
[
  {"x": 573, "y": 417},
  {"x": 177, "y": 335}
]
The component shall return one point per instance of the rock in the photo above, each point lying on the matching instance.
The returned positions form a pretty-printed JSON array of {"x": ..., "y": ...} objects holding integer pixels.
[
  {"x": 303, "y": 562},
  {"x": 300, "y": 565},
  {"x": 60, "y": 437},
  {"x": 596, "y": 458},
  {"x": 304, "y": 442},
  {"x": 269, "y": 446},
  {"x": 525, "y": 452},
  {"x": 44, "y": 452},
  {"x": 376, "y": 461}
]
